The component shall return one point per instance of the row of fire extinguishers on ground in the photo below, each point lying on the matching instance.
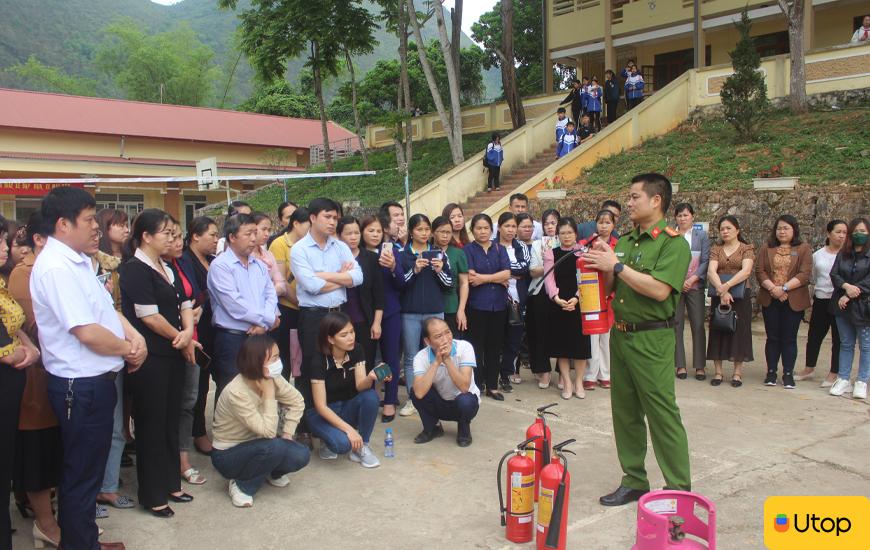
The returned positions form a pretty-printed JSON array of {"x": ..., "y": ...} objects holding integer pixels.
[{"x": 537, "y": 471}]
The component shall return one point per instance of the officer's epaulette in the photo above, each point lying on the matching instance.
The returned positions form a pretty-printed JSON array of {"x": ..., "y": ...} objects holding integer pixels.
[{"x": 672, "y": 232}]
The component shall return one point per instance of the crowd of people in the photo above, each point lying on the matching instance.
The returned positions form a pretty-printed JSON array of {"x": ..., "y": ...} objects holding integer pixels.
[{"x": 309, "y": 332}]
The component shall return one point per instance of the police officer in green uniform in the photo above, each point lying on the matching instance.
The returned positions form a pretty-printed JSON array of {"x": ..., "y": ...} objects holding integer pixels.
[{"x": 646, "y": 271}]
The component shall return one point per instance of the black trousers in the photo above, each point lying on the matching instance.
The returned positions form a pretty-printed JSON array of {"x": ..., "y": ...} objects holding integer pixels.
[
  {"x": 206, "y": 338},
  {"x": 632, "y": 103},
  {"x": 86, "y": 430},
  {"x": 450, "y": 319},
  {"x": 781, "y": 324},
  {"x": 11, "y": 388},
  {"x": 595, "y": 120},
  {"x": 576, "y": 113},
  {"x": 309, "y": 326},
  {"x": 281, "y": 335},
  {"x": 157, "y": 391},
  {"x": 486, "y": 334},
  {"x": 513, "y": 340},
  {"x": 820, "y": 322},
  {"x": 612, "y": 110},
  {"x": 363, "y": 332},
  {"x": 492, "y": 180},
  {"x": 536, "y": 332}
]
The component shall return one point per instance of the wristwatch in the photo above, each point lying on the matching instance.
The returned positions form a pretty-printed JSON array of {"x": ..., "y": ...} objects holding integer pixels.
[
  {"x": 617, "y": 268},
  {"x": 785, "y": 288}
]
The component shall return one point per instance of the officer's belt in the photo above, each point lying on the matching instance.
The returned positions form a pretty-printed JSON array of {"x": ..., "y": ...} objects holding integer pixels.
[{"x": 624, "y": 326}]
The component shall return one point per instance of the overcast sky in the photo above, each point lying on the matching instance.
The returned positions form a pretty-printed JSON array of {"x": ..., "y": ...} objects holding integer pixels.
[{"x": 471, "y": 11}]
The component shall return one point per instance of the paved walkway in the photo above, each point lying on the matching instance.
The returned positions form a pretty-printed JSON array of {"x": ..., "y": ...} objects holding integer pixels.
[{"x": 746, "y": 443}]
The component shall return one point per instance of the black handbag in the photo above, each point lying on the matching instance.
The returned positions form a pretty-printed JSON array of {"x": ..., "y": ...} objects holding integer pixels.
[
  {"x": 515, "y": 316},
  {"x": 738, "y": 292},
  {"x": 724, "y": 319}
]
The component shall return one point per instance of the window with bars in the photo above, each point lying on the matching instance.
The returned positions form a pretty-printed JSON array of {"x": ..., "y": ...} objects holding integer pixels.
[{"x": 132, "y": 204}]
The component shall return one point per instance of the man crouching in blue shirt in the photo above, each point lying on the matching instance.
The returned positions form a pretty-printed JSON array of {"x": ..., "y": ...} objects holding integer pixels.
[{"x": 444, "y": 387}]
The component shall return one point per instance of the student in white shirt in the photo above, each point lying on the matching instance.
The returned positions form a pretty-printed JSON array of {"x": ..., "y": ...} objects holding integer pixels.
[
  {"x": 90, "y": 341},
  {"x": 862, "y": 34}
]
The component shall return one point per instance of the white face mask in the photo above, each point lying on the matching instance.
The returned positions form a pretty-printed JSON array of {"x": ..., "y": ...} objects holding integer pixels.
[{"x": 276, "y": 367}]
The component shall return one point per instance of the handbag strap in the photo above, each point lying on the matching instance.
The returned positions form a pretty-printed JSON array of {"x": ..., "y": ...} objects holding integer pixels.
[{"x": 544, "y": 276}]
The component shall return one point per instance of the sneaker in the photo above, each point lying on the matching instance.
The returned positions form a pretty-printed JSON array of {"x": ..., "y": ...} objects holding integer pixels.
[
  {"x": 770, "y": 379},
  {"x": 840, "y": 387},
  {"x": 239, "y": 498},
  {"x": 407, "y": 409},
  {"x": 505, "y": 386},
  {"x": 326, "y": 453},
  {"x": 102, "y": 512},
  {"x": 860, "y": 390},
  {"x": 788, "y": 381},
  {"x": 365, "y": 457},
  {"x": 281, "y": 481}
]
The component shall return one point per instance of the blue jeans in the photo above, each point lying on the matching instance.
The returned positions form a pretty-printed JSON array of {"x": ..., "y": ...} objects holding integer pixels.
[
  {"x": 849, "y": 335},
  {"x": 360, "y": 412},
  {"x": 226, "y": 350},
  {"x": 113, "y": 464},
  {"x": 86, "y": 435},
  {"x": 412, "y": 329},
  {"x": 433, "y": 408},
  {"x": 250, "y": 462}
]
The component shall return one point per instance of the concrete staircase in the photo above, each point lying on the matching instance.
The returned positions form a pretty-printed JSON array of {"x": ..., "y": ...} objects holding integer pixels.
[{"x": 510, "y": 181}]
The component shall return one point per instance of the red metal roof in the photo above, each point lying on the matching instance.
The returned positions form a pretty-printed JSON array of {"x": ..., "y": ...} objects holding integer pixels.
[{"x": 92, "y": 115}]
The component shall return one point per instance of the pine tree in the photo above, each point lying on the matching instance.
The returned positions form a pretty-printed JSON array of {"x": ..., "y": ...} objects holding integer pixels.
[{"x": 744, "y": 94}]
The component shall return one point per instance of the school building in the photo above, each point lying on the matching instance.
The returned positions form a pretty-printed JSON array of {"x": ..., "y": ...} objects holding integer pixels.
[
  {"x": 667, "y": 37},
  {"x": 45, "y": 135}
]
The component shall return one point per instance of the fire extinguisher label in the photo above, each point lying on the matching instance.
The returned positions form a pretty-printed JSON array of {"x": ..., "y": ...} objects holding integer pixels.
[
  {"x": 545, "y": 507},
  {"x": 522, "y": 494},
  {"x": 590, "y": 295}
]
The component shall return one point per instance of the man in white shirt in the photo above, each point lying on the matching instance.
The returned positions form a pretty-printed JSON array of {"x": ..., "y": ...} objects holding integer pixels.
[
  {"x": 444, "y": 387},
  {"x": 88, "y": 344},
  {"x": 519, "y": 203},
  {"x": 863, "y": 32}
]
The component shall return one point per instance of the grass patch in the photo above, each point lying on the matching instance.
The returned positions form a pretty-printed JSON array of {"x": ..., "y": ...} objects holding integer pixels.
[
  {"x": 431, "y": 159},
  {"x": 822, "y": 148}
]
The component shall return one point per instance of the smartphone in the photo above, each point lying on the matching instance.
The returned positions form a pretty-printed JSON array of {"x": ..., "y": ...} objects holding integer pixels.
[
  {"x": 386, "y": 248},
  {"x": 431, "y": 255},
  {"x": 382, "y": 371},
  {"x": 102, "y": 278},
  {"x": 201, "y": 358}
]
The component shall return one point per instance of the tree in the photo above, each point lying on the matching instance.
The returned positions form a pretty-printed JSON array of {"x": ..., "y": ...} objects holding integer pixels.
[
  {"x": 744, "y": 93},
  {"x": 277, "y": 31},
  {"x": 169, "y": 67},
  {"x": 794, "y": 15},
  {"x": 51, "y": 79},
  {"x": 281, "y": 99},
  {"x": 452, "y": 123},
  {"x": 527, "y": 43}
]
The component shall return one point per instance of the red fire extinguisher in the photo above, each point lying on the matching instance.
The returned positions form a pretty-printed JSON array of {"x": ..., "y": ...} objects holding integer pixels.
[
  {"x": 544, "y": 445},
  {"x": 552, "y": 523},
  {"x": 516, "y": 517},
  {"x": 594, "y": 313}
]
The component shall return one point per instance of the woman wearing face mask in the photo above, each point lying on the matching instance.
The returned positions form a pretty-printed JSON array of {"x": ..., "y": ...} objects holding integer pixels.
[
  {"x": 851, "y": 277},
  {"x": 822, "y": 319},
  {"x": 248, "y": 449},
  {"x": 152, "y": 299},
  {"x": 598, "y": 369},
  {"x": 538, "y": 304}
]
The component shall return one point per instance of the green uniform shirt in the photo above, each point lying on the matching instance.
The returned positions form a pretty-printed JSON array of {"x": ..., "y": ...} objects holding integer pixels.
[
  {"x": 661, "y": 252},
  {"x": 458, "y": 264}
]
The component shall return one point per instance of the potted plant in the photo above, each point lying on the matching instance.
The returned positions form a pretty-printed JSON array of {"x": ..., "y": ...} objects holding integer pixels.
[
  {"x": 551, "y": 192},
  {"x": 773, "y": 180}
]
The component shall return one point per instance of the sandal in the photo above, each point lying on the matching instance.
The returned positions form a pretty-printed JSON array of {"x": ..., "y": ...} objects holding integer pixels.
[
  {"x": 736, "y": 381},
  {"x": 515, "y": 379},
  {"x": 120, "y": 502},
  {"x": 717, "y": 379},
  {"x": 192, "y": 476},
  {"x": 700, "y": 374},
  {"x": 682, "y": 374}
]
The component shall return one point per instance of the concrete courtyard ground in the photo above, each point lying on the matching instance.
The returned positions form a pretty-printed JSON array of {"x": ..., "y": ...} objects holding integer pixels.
[{"x": 746, "y": 444}]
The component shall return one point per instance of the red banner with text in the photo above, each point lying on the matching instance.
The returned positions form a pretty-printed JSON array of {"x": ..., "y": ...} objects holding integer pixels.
[{"x": 33, "y": 189}]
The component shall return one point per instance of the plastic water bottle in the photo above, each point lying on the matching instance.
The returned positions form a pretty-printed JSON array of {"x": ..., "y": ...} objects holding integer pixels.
[{"x": 389, "y": 451}]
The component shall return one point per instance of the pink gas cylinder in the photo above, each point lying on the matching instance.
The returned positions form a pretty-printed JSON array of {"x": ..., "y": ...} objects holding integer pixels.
[{"x": 664, "y": 518}]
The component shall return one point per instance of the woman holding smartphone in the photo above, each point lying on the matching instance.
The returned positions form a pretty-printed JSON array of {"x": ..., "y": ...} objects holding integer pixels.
[
  {"x": 427, "y": 276},
  {"x": 343, "y": 406},
  {"x": 365, "y": 303},
  {"x": 391, "y": 326}
]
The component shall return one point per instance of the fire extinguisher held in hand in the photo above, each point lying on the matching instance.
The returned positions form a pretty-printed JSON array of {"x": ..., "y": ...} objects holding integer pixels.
[
  {"x": 594, "y": 314},
  {"x": 544, "y": 445},
  {"x": 552, "y": 523},
  {"x": 516, "y": 517}
]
